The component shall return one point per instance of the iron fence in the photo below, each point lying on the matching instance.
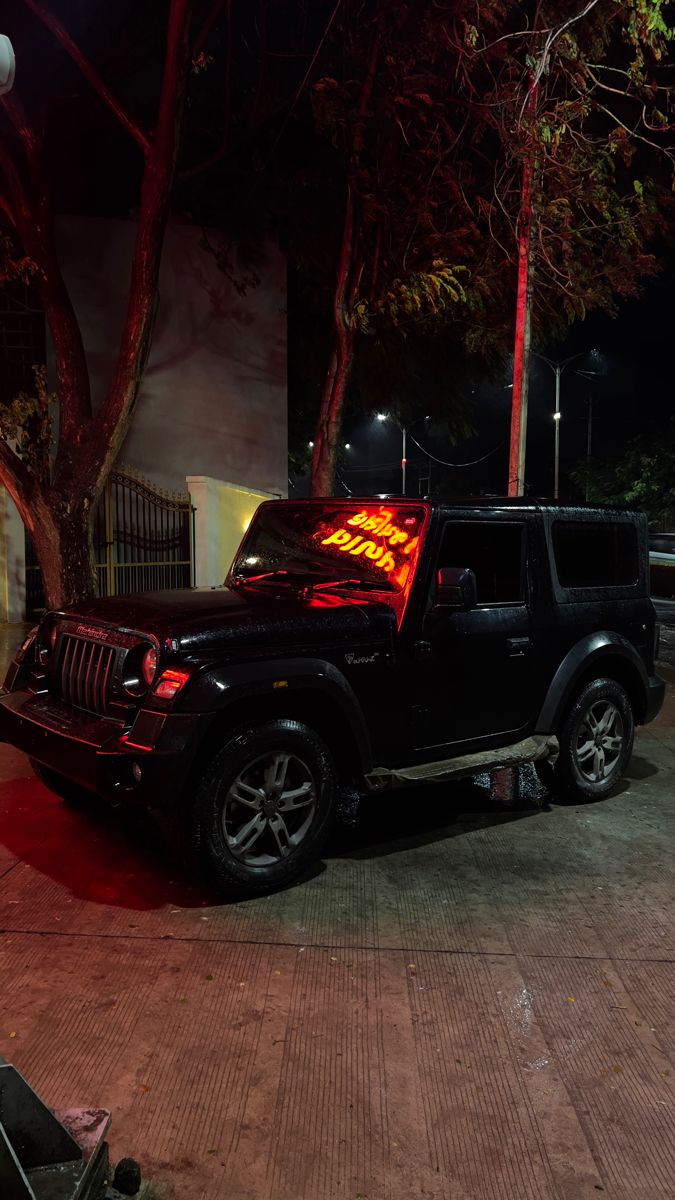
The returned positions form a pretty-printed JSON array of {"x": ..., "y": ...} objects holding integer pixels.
[{"x": 143, "y": 541}]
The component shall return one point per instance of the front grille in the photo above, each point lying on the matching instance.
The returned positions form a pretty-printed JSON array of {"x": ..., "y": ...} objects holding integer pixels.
[{"x": 84, "y": 672}]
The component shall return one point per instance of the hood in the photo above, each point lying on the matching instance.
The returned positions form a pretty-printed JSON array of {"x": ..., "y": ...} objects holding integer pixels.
[{"x": 199, "y": 619}]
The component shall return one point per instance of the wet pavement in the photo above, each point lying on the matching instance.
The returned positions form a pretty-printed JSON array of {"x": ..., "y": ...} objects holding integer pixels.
[{"x": 461, "y": 1003}]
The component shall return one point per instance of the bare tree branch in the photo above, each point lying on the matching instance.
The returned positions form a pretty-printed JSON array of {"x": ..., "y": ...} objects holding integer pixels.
[
  {"x": 33, "y": 220},
  {"x": 113, "y": 417},
  {"x": 91, "y": 75}
]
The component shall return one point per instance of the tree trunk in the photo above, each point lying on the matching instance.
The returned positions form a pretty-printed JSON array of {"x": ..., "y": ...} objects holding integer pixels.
[
  {"x": 60, "y": 517},
  {"x": 329, "y": 427},
  {"x": 62, "y": 534},
  {"x": 324, "y": 455},
  {"x": 327, "y": 437}
]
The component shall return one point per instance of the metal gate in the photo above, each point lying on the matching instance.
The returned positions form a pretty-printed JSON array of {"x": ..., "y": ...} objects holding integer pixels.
[{"x": 143, "y": 541}]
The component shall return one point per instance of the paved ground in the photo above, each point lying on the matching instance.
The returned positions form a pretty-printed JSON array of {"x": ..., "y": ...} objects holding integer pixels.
[{"x": 462, "y": 1004}]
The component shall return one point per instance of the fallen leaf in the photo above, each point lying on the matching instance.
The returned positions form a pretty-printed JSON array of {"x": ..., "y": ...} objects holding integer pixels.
[
  {"x": 209, "y": 977},
  {"x": 571, "y": 1000},
  {"x": 618, "y": 1070}
]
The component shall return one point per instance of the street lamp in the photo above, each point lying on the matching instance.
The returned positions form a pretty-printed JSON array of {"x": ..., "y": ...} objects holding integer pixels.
[
  {"x": 404, "y": 442},
  {"x": 589, "y": 433},
  {"x": 558, "y": 367}
]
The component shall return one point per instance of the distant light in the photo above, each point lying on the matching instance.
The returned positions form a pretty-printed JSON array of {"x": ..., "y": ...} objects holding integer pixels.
[
  {"x": 348, "y": 446},
  {"x": 556, "y": 416},
  {"x": 311, "y": 445},
  {"x": 380, "y": 416}
]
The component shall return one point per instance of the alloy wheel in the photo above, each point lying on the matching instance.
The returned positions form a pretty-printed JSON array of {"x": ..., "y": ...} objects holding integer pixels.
[
  {"x": 269, "y": 809},
  {"x": 599, "y": 742}
]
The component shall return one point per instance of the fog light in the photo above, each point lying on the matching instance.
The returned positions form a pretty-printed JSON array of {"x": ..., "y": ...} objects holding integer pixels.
[{"x": 136, "y": 772}]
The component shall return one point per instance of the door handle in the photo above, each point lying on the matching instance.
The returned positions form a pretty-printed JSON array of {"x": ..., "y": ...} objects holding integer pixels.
[{"x": 518, "y": 646}]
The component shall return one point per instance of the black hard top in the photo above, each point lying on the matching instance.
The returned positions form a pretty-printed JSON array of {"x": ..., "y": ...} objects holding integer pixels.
[{"x": 528, "y": 503}]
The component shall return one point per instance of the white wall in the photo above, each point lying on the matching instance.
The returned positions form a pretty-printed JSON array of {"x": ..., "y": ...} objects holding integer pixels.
[
  {"x": 213, "y": 399},
  {"x": 222, "y": 515},
  {"x": 12, "y": 561}
]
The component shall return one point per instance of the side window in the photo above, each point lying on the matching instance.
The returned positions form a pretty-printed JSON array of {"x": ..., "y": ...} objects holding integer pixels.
[
  {"x": 595, "y": 555},
  {"x": 494, "y": 552}
]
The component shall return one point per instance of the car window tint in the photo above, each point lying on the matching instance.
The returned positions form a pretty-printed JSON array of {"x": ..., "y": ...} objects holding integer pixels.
[
  {"x": 602, "y": 554},
  {"x": 494, "y": 552}
]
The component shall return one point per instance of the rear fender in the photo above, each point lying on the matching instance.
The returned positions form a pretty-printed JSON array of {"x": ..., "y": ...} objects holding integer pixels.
[{"x": 596, "y": 654}]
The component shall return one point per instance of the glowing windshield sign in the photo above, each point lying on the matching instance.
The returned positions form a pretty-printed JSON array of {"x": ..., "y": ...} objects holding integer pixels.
[{"x": 385, "y": 538}]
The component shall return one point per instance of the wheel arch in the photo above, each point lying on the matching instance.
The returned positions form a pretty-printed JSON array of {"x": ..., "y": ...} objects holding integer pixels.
[
  {"x": 596, "y": 656},
  {"x": 316, "y": 695}
]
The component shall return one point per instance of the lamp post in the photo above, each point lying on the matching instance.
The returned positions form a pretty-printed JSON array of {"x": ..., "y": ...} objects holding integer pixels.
[
  {"x": 558, "y": 367},
  {"x": 589, "y": 431},
  {"x": 404, "y": 443}
]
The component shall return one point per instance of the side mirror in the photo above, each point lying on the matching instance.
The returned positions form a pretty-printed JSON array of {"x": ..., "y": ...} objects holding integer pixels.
[{"x": 456, "y": 588}]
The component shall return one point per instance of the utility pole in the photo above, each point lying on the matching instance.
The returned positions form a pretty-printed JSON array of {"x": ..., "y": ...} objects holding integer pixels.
[
  {"x": 556, "y": 418},
  {"x": 521, "y": 345},
  {"x": 558, "y": 368},
  {"x": 588, "y": 442}
]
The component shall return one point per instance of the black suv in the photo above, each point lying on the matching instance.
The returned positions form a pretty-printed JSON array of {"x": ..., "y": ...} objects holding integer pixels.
[{"x": 355, "y": 643}]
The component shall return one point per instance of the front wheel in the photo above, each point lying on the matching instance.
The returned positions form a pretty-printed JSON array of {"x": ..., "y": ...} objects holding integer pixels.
[
  {"x": 596, "y": 742},
  {"x": 264, "y": 807}
]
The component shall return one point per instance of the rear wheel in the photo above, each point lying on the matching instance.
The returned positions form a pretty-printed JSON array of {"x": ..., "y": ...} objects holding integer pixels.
[
  {"x": 596, "y": 742},
  {"x": 264, "y": 807}
]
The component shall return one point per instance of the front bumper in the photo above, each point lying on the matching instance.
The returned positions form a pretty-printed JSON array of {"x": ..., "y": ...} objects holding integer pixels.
[
  {"x": 656, "y": 690},
  {"x": 146, "y": 765}
]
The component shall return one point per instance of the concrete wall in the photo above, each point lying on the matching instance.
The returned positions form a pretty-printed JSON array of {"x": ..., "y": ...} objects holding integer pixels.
[
  {"x": 222, "y": 516},
  {"x": 213, "y": 399}
]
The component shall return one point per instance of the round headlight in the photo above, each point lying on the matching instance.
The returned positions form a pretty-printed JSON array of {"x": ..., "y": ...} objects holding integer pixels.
[{"x": 149, "y": 666}]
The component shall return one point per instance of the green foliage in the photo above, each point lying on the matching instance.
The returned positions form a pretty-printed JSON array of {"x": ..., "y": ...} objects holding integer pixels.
[
  {"x": 419, "y": 299},
  {"x": 448, "y": 126},
  {"x": 26, "y": 422},
  {"x": 643, "y": 477}
]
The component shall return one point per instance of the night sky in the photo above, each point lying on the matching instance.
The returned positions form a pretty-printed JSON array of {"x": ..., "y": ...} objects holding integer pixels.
[{"x": 632, "y": 394}]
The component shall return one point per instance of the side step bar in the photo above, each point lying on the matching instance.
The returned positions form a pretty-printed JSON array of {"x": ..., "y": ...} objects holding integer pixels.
[{"x": 532, "y": 749}]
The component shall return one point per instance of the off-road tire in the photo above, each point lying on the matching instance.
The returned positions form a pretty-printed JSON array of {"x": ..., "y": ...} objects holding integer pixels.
[
  {"x": 207, "y": 816},
  {"x": 568, "y": 778}
]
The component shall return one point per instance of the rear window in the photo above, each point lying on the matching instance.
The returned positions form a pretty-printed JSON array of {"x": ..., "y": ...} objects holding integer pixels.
[{"x": 595, "y": 555}]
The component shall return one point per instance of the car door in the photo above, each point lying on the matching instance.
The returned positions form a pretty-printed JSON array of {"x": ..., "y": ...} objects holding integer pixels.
[{"x": 475, "y": 669}]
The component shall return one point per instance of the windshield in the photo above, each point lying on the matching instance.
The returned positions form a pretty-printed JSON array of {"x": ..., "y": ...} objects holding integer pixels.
[{"x": 377, "y": 544}]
